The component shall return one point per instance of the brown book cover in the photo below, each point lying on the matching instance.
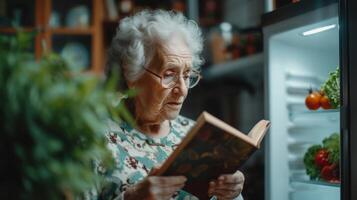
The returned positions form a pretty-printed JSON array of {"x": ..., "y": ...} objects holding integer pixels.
[{"x": 209, "y": 149}]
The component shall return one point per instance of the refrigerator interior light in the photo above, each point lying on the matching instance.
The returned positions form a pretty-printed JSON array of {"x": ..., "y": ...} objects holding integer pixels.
[{"x": 318, "y": 30}]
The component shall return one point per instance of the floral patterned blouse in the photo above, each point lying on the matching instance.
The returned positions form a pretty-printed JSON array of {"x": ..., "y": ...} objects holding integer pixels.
[{"x": 136, "y": 154}]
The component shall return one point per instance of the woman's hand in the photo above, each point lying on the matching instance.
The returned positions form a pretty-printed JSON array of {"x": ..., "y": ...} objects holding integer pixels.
[
  {"x": 155, "y": 187},
  {"x": 228, "y": 186}
]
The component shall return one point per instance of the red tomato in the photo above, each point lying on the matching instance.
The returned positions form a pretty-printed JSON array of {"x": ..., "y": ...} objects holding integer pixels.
[
  {"x": 328, "y": 173},
  {"x": 325, "y": 102},
  {"x": 321, "y": 158},
  {"x": 312, "y": 100}
]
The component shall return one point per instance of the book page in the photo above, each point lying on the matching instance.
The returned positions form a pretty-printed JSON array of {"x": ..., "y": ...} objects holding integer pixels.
[
  {"x": 227, "y": 128},
  {"x": 258, "y": 131}
]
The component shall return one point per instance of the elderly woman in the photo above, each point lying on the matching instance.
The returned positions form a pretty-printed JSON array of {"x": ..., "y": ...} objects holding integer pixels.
[{"x": 158, "y": 53}]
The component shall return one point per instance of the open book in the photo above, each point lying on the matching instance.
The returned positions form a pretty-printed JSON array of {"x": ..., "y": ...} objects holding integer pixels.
[{"x": 209, "y": 149}]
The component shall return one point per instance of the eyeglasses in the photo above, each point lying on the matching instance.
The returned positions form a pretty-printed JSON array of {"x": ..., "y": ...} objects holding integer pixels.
[{"x": 170, "y": 80}]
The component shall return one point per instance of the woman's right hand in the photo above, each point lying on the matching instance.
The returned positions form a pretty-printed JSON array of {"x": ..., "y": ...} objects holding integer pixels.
[{"x": 155, "y": 187}]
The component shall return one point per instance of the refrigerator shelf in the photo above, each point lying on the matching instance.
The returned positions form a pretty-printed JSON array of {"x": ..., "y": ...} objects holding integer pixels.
[
  {"x": 307, "y": 182},
  {"x": 331, "y": 115}
]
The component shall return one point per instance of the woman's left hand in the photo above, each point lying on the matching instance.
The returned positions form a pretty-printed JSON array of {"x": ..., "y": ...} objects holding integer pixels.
[{"x": 227, "y": 186}]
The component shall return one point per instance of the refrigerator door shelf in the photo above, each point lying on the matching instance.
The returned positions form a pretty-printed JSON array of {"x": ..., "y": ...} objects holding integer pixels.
[
  {"x": 323, "y": 116},
  {"x": 316, "y": 192},
  {"x": 305, "y": 182}
]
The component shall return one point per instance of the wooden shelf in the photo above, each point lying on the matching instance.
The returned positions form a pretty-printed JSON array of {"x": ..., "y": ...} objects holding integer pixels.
[
  {"x": 93, "y": 34},
  {"x": 62, "y": 30},
  {"x": 13, "y": 30},
  {"x": 208, "y": 22},
  {"x": 71, "y": 31}
]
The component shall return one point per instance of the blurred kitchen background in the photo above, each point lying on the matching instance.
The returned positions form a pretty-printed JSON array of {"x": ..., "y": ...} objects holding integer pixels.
[
  {"x": 231, "y": 28},
  {"x": 232, "y": 86}
]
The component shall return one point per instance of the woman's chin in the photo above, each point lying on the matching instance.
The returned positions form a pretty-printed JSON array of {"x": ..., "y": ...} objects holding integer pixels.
[{"x": 172, "y": 114}]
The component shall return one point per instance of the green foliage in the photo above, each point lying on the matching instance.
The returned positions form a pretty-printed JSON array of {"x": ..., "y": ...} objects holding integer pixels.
[
  {"x": 332, "y": 145},
  {"x": 309, "y": 160},
  {"x": 52, "y": 121},
  {"x": 332, "y": 88}
]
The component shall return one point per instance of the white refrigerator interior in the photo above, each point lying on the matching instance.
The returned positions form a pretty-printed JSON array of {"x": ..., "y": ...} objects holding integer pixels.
[{"x": 294, "y": 63}]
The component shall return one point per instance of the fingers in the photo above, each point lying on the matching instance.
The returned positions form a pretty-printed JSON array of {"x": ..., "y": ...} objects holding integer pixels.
[
  {"x": 237, "y": 177},
  {"x": 164, "y": 192},
  {"x": 168, "y": 191},
  {"x": 213, "y": 186},
  {"x": 225, "y": 195},
  {"x": 235, "y": 192},
  {"x": 156, "y": 187},
  {"x": 227, "y": 186}
]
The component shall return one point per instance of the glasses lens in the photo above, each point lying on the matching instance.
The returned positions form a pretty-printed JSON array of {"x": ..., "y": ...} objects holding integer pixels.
[{"x": 169, "y": 81}]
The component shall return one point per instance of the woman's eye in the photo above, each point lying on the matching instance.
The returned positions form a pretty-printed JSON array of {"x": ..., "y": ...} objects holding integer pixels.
[{"x": 169, "y": 74}]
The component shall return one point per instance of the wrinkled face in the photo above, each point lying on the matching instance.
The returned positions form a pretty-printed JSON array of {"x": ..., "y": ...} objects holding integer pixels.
[{"x": 154, "y": 103}]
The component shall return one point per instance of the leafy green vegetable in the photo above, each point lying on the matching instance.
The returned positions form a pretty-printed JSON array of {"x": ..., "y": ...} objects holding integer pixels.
[
  {"x": 309, "y": 160},
  {"x": 332, "y": 88},
  {"x": 332, "y": 145},
  {"x": 52, "y": 123}
]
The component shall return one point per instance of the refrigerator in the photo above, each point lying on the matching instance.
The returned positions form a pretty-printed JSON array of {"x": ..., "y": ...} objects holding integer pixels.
[{"x": 303, "y": 43}]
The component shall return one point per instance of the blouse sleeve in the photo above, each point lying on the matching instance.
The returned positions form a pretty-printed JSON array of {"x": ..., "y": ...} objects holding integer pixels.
[
  {"x": 111, "y": 186},
  {"x": 107, "y": 189}
]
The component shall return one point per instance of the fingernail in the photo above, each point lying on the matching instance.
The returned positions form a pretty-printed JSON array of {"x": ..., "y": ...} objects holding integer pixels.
[
  {"x": 221, "y": 178},
  {"x": 211, "y": 183}
]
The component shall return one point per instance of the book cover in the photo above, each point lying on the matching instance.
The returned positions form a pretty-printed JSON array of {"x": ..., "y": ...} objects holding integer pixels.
[{"x": 211, "y": 148}]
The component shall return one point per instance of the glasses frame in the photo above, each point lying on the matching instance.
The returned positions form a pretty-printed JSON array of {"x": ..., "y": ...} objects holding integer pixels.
[{"x": 160, "y": 77}]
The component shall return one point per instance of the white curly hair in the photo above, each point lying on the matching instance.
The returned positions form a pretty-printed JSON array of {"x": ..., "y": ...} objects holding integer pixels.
[{"x": 134, "y": 43}]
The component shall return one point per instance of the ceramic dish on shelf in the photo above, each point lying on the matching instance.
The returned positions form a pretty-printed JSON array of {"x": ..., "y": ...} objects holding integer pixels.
[
  {"x": 78, "y": 17},
  {"x": 76, "y": 55}
]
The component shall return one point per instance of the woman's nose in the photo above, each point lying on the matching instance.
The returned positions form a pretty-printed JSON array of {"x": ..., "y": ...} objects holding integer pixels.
[{"x": 180, "y": 86}]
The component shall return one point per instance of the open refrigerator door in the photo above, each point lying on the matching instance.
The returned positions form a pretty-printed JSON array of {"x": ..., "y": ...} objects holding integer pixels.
[{"x": 300, "y": 53}]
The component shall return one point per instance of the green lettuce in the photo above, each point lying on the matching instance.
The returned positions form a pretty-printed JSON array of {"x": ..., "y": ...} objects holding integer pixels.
[
  {"x": 332, "y": 88},
  {"x": 332, "y": 145}
]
